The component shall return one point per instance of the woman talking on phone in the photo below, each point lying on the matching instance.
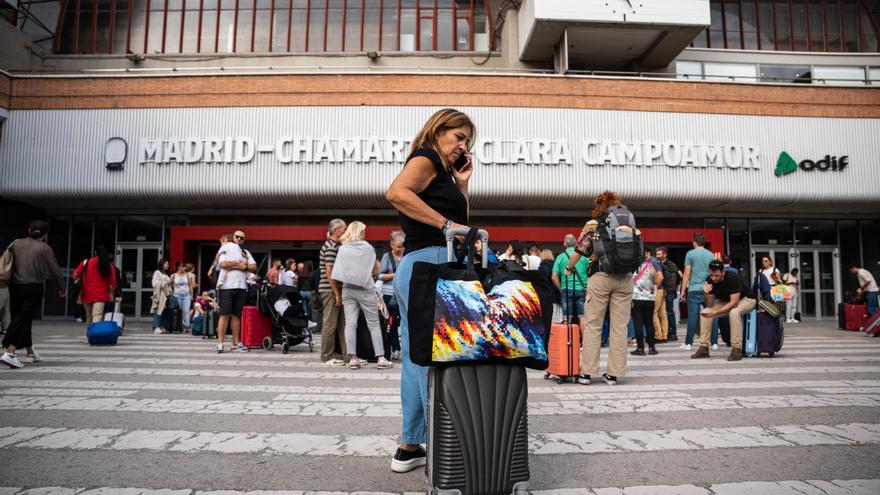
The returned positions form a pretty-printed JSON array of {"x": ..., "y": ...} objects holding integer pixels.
[{"x": 431, "y": 194}]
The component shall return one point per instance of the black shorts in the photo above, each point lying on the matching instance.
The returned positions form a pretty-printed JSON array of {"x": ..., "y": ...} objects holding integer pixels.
[{"x": 231, "y": 301}]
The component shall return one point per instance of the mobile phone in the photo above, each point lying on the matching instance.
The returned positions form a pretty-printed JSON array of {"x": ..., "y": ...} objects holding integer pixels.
[{"x": 460, "y": 162}]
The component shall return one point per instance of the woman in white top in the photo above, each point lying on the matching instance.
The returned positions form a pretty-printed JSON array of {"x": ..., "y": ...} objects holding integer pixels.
[
  {"x": 161, "y": 290},
  {"x": 288, "y": 274},
  {"x": 356, "y": 267},
  {"x": 182, "y": 291},
  {"x": 770, "y": 272},
  {"x": 791, "y": 279}
]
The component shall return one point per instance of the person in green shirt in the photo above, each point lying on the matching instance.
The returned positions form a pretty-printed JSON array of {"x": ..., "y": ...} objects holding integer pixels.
[{"x": 571, "y": 286}]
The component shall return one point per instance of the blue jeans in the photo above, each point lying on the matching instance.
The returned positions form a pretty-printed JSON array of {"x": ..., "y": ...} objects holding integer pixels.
[
  {"x": 197, "y": 324},
  {"x": 157, "y": 320},
  {"x": 185, "y": 301},
  {"x": 631, "y": 329},
  {"x": 670, "y": 315},
  {"x": 695, "y": 302},
  {"x": 872, "y": 300},
  {"x": 413, "y": 378},
  {"x": 578, "y": 296},
  {"x": 306, "y": 296}
]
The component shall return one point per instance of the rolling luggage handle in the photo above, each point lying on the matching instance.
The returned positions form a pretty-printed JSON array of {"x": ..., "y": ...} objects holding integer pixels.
[{"x": 467, "y": 247}]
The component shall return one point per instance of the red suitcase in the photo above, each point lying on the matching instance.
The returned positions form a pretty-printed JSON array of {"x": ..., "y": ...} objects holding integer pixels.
[
  {"x": 856, "y": 314},
  {"x": 872, "y": 325},
  {"x": 254, "y": 327}
]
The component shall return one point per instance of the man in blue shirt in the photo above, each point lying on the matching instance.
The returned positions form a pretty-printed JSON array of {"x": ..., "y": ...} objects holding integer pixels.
[{"x": 696, "y": 269}]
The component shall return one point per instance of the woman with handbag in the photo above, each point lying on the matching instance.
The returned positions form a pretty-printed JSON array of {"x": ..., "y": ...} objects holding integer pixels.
[
  {"x": 431, "y": 194},
  {"x": 98, "y": 281},
  {"x": 161, "y": 290},
  {"x": 25, "y": 265},
  {"x": 355, "y": 268}
]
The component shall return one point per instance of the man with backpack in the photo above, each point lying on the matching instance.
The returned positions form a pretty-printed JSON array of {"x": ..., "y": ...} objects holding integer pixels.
[
  {"x": 615, "y": 252},
  {"x": 670, "y": 288}
]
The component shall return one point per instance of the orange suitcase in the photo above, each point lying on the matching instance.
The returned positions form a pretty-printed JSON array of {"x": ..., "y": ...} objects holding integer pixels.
[{"x": 564, "y": 350}]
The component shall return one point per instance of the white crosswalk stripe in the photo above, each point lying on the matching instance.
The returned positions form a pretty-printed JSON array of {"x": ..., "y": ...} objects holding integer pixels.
[
  {"x": 350, "y": 406},
  {"x": 381, "y": 445}
]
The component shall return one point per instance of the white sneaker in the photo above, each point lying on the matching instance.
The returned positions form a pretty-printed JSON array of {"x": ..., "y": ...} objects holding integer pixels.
[
  {"x": 159, "y": 330},
  {"x": 240, "y": 348},
  {"x": 334, "y": 362},
  {"x": 363, "y": 362},
  {"x": 33, "y": 358},
  {"x": 79, "y": 320},
  {"x": 11, "y": 361},
  {"x": 354, "y": 364},
  {"x": 395, "y": 356},
  {"x": 714, "y": 347},
  {"x": 219, "y": 348},
  {"x": 685, "y": 347},
  {"x": 383, "y": 363}
]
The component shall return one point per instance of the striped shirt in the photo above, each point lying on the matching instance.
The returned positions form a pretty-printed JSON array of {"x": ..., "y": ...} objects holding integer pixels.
[{"x": 327, "y": 257}]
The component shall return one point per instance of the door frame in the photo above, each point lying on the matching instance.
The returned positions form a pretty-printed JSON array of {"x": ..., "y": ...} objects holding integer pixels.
[
  {"x": 139, "y": 290},
  {"x": 795, "y": 254}
]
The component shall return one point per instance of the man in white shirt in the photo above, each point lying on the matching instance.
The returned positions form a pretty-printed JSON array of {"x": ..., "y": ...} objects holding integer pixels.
[
  {"x": 236, "y": 263},
  {"x": 867, "y": 286}
]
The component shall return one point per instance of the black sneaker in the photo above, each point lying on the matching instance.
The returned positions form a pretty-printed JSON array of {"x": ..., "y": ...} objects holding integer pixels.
[
  {"x": 407, "y": 460},
  {"x": 672, "y": 338},
  {"x": 609, "y": 379},
  {"x": 638, "y": 352},
  {"x": 652, "y": 351},
  {"x": 582, "y": 379}
]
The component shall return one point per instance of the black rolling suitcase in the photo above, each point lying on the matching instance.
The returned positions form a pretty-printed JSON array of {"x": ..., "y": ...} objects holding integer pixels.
[
  {"x": 209, "y": 326},
  {"x": 841, "y": 316},
  {"x": 477, "y": 425},
  {"x": 770, "y": 334},
  {"x": 365, "y": 340},
  {"x": 173, "y": 320}
]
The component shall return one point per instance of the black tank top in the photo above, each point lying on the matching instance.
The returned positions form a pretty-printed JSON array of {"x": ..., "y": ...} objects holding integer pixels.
[{"x": 443, "y": 196}]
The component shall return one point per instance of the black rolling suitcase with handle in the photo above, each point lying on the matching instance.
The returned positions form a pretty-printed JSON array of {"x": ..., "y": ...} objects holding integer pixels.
[{"x": 477, "y": 425}]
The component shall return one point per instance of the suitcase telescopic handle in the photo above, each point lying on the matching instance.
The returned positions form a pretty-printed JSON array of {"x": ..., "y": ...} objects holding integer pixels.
[{"x": 463, "y": 231}]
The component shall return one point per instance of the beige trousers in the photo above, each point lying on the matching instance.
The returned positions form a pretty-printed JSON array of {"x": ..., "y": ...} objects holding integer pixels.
[
  {"x": 334, "y": 323},
  {"x": 736, "y": 331},
  {"x": 613, "y": 292},
  {"x": 661, "y": 323},
  {"x": 94, "y": 312}
]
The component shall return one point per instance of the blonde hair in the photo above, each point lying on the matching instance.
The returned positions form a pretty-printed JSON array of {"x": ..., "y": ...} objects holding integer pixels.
[
  {"x": 442, "y": 120},
  {"x": 547, "y": 255},
  {"x": 353, "y": 233}
]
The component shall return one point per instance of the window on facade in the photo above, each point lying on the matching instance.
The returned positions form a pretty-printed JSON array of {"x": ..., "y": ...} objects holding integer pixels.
[
  {"x": 874, "y": 74},
  {"x": 786, "y": 25},
  {"x": 258, "y": 26}
]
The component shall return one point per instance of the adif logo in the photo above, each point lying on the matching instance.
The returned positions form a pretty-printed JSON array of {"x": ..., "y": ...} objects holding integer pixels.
[{"x": 785, "y": 164}]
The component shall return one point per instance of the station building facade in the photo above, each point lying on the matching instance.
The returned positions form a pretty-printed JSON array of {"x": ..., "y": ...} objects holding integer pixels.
[{"x": 155, "y": 127}]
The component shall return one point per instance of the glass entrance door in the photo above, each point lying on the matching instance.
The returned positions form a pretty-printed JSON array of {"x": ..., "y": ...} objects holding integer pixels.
[
  {"x": 137, "y": 262},
  {"x": 820, "y": 289}
]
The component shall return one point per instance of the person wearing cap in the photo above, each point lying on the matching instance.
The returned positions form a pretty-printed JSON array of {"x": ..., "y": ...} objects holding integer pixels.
[
  {"x": 696, "y": 269},
  {"x": 726, "y": 294}
]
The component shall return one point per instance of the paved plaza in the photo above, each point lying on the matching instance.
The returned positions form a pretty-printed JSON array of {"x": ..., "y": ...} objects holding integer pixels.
[{"x": 165, "y": 414}]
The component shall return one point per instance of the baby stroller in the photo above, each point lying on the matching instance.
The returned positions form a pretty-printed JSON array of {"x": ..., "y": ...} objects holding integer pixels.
[{"x": 284, "y": 306}]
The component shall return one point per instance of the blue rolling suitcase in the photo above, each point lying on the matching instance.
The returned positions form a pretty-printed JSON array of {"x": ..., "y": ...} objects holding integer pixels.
[
  {"x": 477, "y": 427},
  {"x": 769, "y": 335},
  {"x": 750, "y": 339},
  {"x": 103, "y": 333}
]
